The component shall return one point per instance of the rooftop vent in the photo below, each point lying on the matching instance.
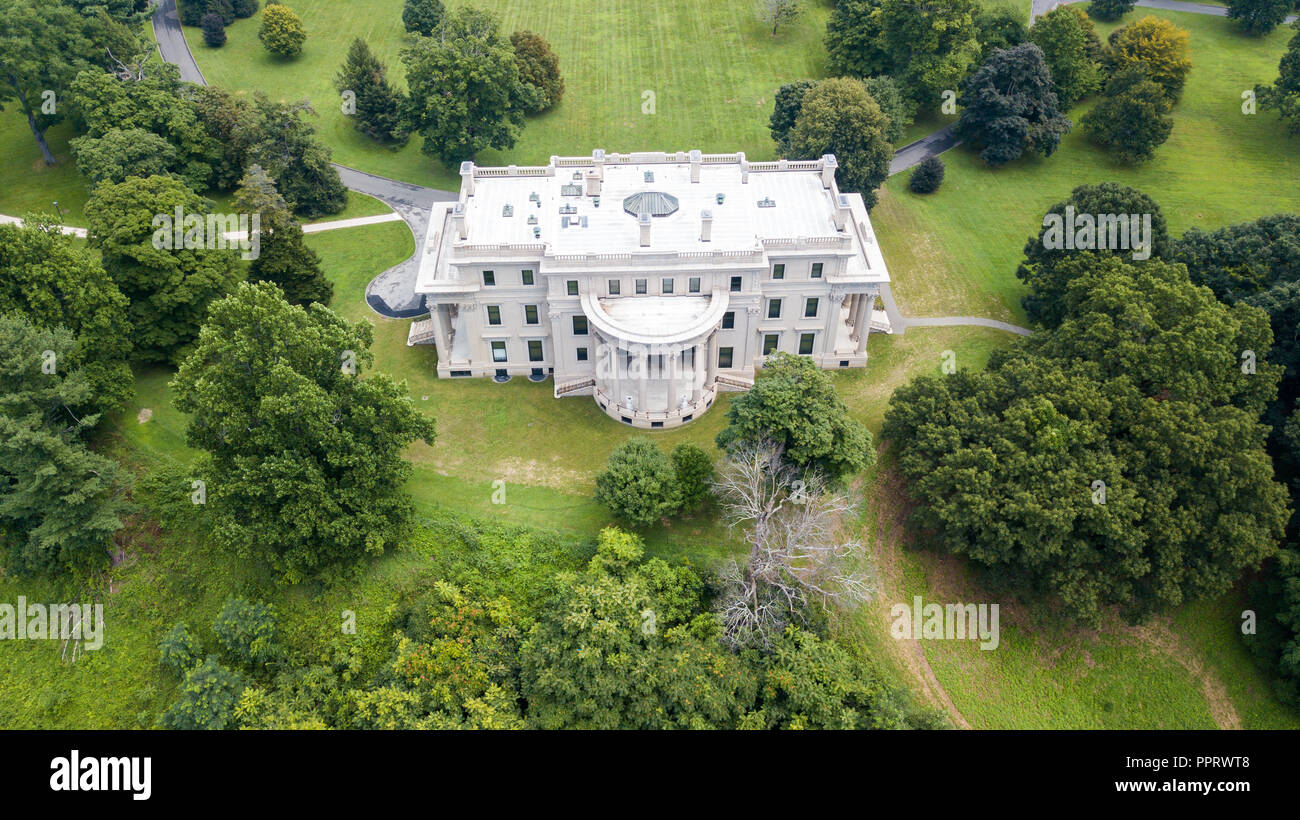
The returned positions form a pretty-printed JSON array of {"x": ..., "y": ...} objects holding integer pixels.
[
  {"x": 654, "y": 203},
  {"x": 532, "y": 219},
  {"x": 649, "y": 176},
  {"x": 568, "y": 209},
  {"x": 767, "y": 202},
  {"x": 570, "y": 190},
  {"x": 508, "y": 210}
]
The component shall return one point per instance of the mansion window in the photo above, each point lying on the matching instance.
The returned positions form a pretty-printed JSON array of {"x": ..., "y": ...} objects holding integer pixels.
[
  {"x": 535, "y": 350},
  {"x": 528, "y": 277},
  {"x": 805, "y": 343},
  {"x": 778, "y": 271},
  {"x": 817, "y": 270},
  {"x": 582, "y": 354},
  {"x": 735, "y": 284},
  {"x": 667, "y": 286},
  {"x": 572, "y": 285},
  {"x": 489, "y": 278},
  {"x": 530, "y": 314},
  {"x": 810, "y": 307},
  {"x": 498, "y": 351},
  {"x": 774, "y": 308},
  {"x": 640, "y": 286},
  {"x": 769, "y": 343},
  {"x": 729, "y": 320},
  {"x": 694, "y": 286},
  {"x": 579, "y": 325},
  {"x": 615, "y": 287},
  {"x": 724, "y": 357},
  {"x": 494, "y": 314}
]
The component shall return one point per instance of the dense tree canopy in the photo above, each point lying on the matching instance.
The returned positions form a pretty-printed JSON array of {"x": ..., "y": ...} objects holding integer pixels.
[
  {"x": 283, "y": 257},
  {"x": 1114, "y": 459},
  {"x": 1283, "y": 96},
  {"x": 422, "y": 16},
  {"x": 1154, "y": 45},
  {"x": 1259, "y": 16},
  {"x": 1240, "y": 260},
  {"x": 1108, "y": 11},
  {"x": 1069, "y": 43},
  {"x": 794, "y": 404},
  {"x": 639, "y": 484},
  {"x": 1131, "y": 119},
  {"x": 1009, "y": 107},
  {"x": 378, "y": 112},
  {"x": 302, "y": 456},
  {"x": 839, "y": 117},
  {"x": 466, "y": 94},
  {"x": 538, "y": 68},
  {"x": 999, "y": 27},
  {"x": 169, "y": 287}
]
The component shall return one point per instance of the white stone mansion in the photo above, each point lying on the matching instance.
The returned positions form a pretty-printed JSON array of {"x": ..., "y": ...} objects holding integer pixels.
[{"x": 648, "y": 281}]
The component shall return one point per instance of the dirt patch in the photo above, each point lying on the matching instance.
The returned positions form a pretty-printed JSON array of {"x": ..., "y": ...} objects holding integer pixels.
[
  {"x": 144, "y": 415},
  {"x": 539, "y": 474},
  {"x": 1159, "y": 635}
]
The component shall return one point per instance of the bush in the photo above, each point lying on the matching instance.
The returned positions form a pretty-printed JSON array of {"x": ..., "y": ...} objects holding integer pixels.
[
  {"x": 694, "y": 471},
  {"x": 422, "y": 16},
  {"x": 639, "y": 484},
  {"x": 214, "y": 30},
  {"x": 244, "y": 8},
  {"x": 207, "y": 699},
  {"x": 281, "y": 32},
  {"x": 248, "y": 632},
  {"x": 179, "y": 650},
  {"x": 927, "y": 177},
  {"x": 1108, "y": 11}
]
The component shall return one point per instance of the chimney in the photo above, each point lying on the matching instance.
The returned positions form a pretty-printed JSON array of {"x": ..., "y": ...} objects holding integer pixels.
[
  {"x": 593, "y": 182},
  {"x": 644, "y": 221},
  {"x": 828, "y": 170},
  {"x": 458, "y": 220},
  {"x": 706, "y": 225},
  {"x": 841, "y": 215},
  {"x": 744, "y": 167},
  {"x": 696, "y": 159},
  {"x": 467, "y": 178}
]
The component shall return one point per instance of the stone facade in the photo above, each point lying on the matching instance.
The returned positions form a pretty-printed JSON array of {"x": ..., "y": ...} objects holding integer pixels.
[{"x": 648, "y": 281}]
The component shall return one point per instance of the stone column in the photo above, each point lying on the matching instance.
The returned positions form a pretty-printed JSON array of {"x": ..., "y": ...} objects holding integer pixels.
[
  {"x": 441, "y": 336},
  {"x": 711, "y": 373},
  {"x": 860, "y": 307},
  {"x": 643, "y": 380},
  {"x": 863, "y": 322},
  {"x": 697, "y": 375},
  {"x": 834, "y": 309}
]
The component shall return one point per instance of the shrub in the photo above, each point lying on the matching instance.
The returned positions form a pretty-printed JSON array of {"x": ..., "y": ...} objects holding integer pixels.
[
  {"x": 244, "y": 8},
  {"x": 694, "y": 470},
  {"x": 248, "y": 632},
  {"x": 179, "y": 650},
  {"x": 214, "y": 30},
  {"x": 1108, "y": 11},
  {"x": 927, "y": 177},
  {"x": 639, "y": 484},
  {"x": 281, "y": 32}
]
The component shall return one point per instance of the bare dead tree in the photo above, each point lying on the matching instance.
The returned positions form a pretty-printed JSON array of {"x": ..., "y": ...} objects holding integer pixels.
[{"x": 798, "y": 556}]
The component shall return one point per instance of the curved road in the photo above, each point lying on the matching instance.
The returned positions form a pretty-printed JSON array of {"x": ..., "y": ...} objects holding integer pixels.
[{"x": 391, "y": 293}]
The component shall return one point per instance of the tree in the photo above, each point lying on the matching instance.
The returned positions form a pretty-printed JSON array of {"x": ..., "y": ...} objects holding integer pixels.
[
  {"x": 795, "y": 406},
  {"x": 466, "y": 94},
  {"x": 283, "y": 257},
  {"x": 207, "y": 699},
  {"x": 896, "y": 108},
  {"x": 797, "y": 557},
  {"x": 853, "y": 40},
  {"x": 927, "y": 177},
  {"x": 54, "y": 281},
  {"x": 281, "y": 31},
  {"x": 1154, "y": 45},
  {"x": 1073, "y": 466},
  {"x": 224, "y": 9},
  {"x": 422, "y": 16},
  {"x": 639, "y": 484},
  {"x": 285, "y": 144},
  {"x": 781, "y": 12},
  {"x": 1064, "y": 34},
  {"x": 169, "y": 288},
  {"x": 1108, "y": 11},
  {"x": 839, "y": 117},
  {"x": 1010, "y": 107},
  {"x": 1042, "y": 269},
  {"x": 1238, "y": 261},
  {"x": 248, "y": 632},
  {"x": 693, "y": 471},
  {"x": 789, "y": 101},
  {"x": 1259, "y": 17},
  {"x": 999, "y": 27},
  {"x": 538, "y": 68},
  {"x": 179, "y": 650},
  {"x": 159, "y": 104},
  {"x": 1284, "y": 95},
  {"x": 43, "y": 46},
  {"x": 1132, "y": 119},
  {"x": 123, "y": 153},
  {"x": 620, "y": 645},
  {"x": 378, "y": 112},
  {"x": 60, "y": 503},
  {"x": 214, "y": 30},
  {"x": 314, "y": 478},
  {"x": 930, "y": 45},
  {"x": 244, "y": 8}
]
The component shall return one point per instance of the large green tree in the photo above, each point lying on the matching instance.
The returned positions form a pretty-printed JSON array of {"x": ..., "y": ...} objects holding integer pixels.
[
  {"x": 1078, "y": 465},
  {"x": 1131, "y": 119},
  {"x": 302, "y": 456},
  {"x": 639, "y": 484},
  {"x": 1237, "y": 261},
  {"x": 1068, "y": 40},
  {"x": 839, "y": 117},
  {"x": 55, "y": 281},
  {"x": 538, "y": 68},
  {"x": 60, "y": 502},
  {"x": 466, "y": 94},
  {"x": 1283, "y": 96},
  {"x": 133, "y": 224},
  {"x": 1009, "y": 107},
  {"x": 378, "y": 112},
  {"x": 1154, "y": 45},
  {"x": 422, "y": 16},
  {"x": 794, "y": 405},
  {"x": 283, "y": 257},
  {"x": 1259, "y": 16}
]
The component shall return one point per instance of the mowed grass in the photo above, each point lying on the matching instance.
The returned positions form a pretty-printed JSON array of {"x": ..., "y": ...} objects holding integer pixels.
[
  {"x": 27, "y": 184},
  {"x": 712, "y": 69},
  {"x": 955, "y": 252}
]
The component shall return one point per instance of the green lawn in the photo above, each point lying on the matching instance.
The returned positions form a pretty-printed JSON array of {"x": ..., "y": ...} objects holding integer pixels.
[{"x": 956, "y": 251}]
